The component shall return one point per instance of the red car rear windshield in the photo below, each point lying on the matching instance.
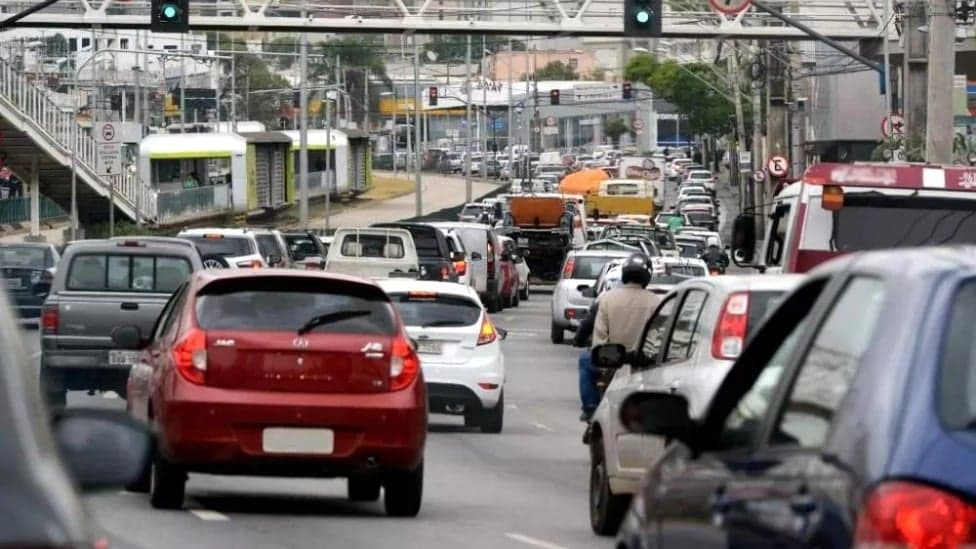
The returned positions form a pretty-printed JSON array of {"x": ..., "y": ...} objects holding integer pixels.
[{"x": 287, "y": 304}]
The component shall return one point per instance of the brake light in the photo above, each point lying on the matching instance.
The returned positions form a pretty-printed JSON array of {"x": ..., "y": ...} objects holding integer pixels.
[
  {"x": 568, "y": 267},
  {"x": 50, "y": 319},
  {"x": 461, "y": 267},
  {"x": 491, "y": 258},
  {"x": 312, "y": 266},
  {"x": 445, "y": 273},
  {"x": 404, "y": 364},
  {"x": 730, "y": 336},
  {"x": 190, "y": 356},
  {"x": 904, "y": 514},
  {"x": 252, "y": 264},
  {"x": 488, "y": 332},
  {"x": 131, "y": 244}
]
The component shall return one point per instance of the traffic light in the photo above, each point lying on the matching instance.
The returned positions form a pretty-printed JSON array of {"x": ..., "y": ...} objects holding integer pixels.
[
  {"x": 642, "y": 18},
  {"x": 432, "y": 96},
  {"x": 170, "y": 16},
  {"x": 627, "y": 91},
  {"x": 554, "y": 97}
]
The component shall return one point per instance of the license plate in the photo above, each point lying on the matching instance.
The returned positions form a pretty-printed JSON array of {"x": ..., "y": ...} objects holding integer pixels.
[
  {"x": 285, "y": 440},
  {"x": 14, "y": 283},
  {"x": 429, "y": 347},
  {"x": 122, "y": 358},
  {"x": 523, "y": 242}
]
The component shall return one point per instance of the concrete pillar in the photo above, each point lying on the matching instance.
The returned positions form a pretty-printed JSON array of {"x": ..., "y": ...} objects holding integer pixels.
[
  {"x": 35, "y": 198},
  {"x": 915, "y": 70},
  {"x": 939, "y": 119}
]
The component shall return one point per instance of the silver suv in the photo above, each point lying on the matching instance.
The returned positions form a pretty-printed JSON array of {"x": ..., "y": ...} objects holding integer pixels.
[
  {"x": 100, "y": 285},
  {"x": 570, "y": 301}
]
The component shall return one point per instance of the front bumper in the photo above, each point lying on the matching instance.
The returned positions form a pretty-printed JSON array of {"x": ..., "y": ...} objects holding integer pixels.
[{"x": 220, "y": 431}]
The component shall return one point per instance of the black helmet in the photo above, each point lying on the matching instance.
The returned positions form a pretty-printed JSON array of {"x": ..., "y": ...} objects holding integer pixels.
[{"x": 636, "y": 269}]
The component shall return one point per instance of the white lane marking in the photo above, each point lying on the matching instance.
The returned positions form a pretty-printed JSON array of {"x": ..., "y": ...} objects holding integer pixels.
[
  {"x": 208, "y": 515},
  {"x": 35, "y": 355},
  {"x": 508, "y": 318},
  {"x": 110, "y": 395},
  {"x": 532, "y": 541},
  {"x": 512, "y": 406},
  {"x": 545, "y": 428}
]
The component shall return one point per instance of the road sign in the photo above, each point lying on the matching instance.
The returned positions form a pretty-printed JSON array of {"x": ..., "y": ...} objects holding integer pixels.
[
  {"x": 109, "y": 139},
  {"x": 550, "y": 130},
  {"x": 638, "y": 124},
  {"x": 778, "y": 166},
  {"x": 729, "y": 7},
  {"x": 893, "y": 125},
  {"x": 759, "y": 176},
  {"x": 550, "y": 121}
]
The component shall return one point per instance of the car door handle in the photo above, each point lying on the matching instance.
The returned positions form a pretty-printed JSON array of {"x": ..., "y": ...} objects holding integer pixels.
[
  {"x": 803, "y": 503},
  {"x": 130, "y": 306},
  {"x": 673, "y": 387}
]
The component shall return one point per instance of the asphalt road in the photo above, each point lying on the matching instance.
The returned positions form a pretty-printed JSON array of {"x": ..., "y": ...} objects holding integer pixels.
[{"x": 526, "y": 487}]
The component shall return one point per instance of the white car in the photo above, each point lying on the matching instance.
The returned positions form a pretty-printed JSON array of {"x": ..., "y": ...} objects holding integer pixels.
[
  {"x": 459, "y": 347},
  {"x": 226, "y": 248},
  {"x": 711, "y": 237},
  {"x": 461, "y": 266},
  {"x": 701, "y": 177}
]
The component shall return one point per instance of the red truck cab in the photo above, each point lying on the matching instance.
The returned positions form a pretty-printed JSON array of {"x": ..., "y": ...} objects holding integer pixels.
[{"x": 836, "y": 209}]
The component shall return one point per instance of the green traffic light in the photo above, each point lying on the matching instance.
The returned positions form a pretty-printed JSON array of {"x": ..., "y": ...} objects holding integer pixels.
[
  {"x": 170, "y": 11},
  {"x": 642, "y": 16}
]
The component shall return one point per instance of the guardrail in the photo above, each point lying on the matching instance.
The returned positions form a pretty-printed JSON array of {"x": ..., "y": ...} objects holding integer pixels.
[
  {"x": 17, "y": 210},
  {"x": 179, "y": 205}
]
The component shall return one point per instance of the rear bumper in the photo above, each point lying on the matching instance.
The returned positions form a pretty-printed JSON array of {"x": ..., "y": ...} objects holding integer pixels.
[
  {"x": 458, "y": 383},
  {"x": 85, "y": 359},
  {"x": 220, "y": 431}
]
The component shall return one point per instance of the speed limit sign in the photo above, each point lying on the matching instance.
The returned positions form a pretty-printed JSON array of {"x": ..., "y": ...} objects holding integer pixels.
[
  {"x": 778, "y": 166},
  {"x": 759, "y": 176}
]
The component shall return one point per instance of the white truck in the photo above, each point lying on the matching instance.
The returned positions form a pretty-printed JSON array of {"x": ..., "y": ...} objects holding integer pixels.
[{"x": 373, "y": 253}]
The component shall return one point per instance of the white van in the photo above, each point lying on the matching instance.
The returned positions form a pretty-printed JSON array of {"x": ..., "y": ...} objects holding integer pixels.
[
  {"x": 483, "y": 251},
  {"x": 373, "y": 253}
]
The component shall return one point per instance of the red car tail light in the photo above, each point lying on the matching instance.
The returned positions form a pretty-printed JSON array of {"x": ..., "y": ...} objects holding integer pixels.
[
  {"x": 461, "y": 267},
  {"x": 190, "y": 356},
  {"x": 445, "y": 273},
  {"x": 404, "y": 364},
  {"x": 50, "y": 319},
  {"x": 491, "y": 257},
  {"x": 730, "y": 335},
  {"x": 568, "y": 267},
  {"x": 488, "y": 332},
  {"x": 904, "y": 514}
]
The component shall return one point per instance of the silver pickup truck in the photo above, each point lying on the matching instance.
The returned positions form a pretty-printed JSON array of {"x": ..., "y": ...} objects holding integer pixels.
[{"x": 100, "y": 285}]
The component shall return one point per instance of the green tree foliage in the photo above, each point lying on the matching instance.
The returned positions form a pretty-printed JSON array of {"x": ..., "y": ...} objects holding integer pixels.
[
  {"x": 556, "y": 70},
  {"x": 685, "y": 87},
  {"x": 614, "y": 128},
  {"x": 253, "y": 74},
  {"x": 283, "y": 44},
  {"x": 55, "y": 45},
  {"x": 453, "y": 47},
  {"x": 357, "y": 57}
]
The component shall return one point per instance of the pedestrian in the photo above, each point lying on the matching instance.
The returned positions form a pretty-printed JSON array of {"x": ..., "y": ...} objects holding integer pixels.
[{"x": 192, "y": 181}]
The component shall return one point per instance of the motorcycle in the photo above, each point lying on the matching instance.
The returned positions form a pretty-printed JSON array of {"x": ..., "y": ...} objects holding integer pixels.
[{"x": 604, "y": 378}]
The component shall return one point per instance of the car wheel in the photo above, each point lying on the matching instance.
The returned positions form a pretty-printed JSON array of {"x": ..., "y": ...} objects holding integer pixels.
[
  {"x": 556, "y": 333},
  {"x": 214, "y": 261},
  {"x": 494, "y": 305},
  {"x": 363, "y": 488},
  {"x": 404, "y": 492},
  {"x": 524, "y": 294},
  {"x": 53, "y": 388},
  {"x": 492, "y": 419},
  {"x": 167, "y": 485},
  {"x": 606, "y": 509},
  {"x": 143, "y": 482},
  {"x": 515, "y": 297}
]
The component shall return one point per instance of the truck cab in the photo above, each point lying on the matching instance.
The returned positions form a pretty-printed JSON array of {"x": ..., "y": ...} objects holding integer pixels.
[{"x": 837, "y": 209}]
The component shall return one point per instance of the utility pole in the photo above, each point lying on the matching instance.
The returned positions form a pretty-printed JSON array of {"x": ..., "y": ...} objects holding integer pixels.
[
  {"x": 484, "y": 109},
  {"x": 758, "y": 153},
  {"x": 328, "y": 163},
  {"x": 366, "y": 100},
  {"x": 467, "y": 125},
  {"x": 735, "y": 175},
  {"x": 915, "y": 71},
  {"x": 182, "y": 85},
  {"x": 303, "y": 129},
  {"x": 942, "y": 48},
  {"x": 418, "y": 193},
  {"x": 508, "y": 141}
]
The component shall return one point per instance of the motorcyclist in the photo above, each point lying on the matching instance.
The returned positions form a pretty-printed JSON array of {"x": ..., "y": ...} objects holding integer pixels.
[
  {"x": 619, "y": 317},
  {"x": 716, "y": 258}
]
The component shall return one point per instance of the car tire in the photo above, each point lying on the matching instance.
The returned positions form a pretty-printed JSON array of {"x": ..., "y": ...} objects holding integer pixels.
[
  {"x": 364, "y": 488},
  {"x": 53, "y": 388},
  {"x": 556, "y": 334},
  {"x": 524, "y": 294},
  {"x": 472, "y": 416},
  {"x": 607, "y": 510},
  {"x": 404, "y": 491},
  {"x": 515, "y": 298},
  {"x": 493, "y": 305},
  {"x": 493, "y": 419},
  {"x": 167, "y": 485},
  {"x": 142, "y": 483}
]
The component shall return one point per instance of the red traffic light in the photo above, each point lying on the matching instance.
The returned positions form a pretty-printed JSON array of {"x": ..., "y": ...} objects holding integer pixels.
[{"x": 554, "y": 97}]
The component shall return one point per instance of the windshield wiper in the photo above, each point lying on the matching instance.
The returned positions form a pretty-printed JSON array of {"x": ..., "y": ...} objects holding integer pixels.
[
  {"x": 330, "y": 318},
  {"x": 436, "y": 323}
]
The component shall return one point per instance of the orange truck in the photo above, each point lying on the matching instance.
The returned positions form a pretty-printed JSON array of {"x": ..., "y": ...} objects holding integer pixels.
[{"x": 542, "y": 226}]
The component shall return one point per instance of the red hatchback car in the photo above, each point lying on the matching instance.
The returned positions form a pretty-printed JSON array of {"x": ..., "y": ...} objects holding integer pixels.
[{"x": 281, "y": 373}]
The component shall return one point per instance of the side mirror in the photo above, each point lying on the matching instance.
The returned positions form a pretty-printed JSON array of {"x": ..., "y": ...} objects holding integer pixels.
[
  {"x": 128, "y": 337},
  {"x": 475, "y": 256},
  {"x": 661, "y": 414},
  {"x": 744, "y": 240},
  {"x": 102, "y": 449},
  {"x": 611, "y": 355},
  {"x": 414, "y": 344},
  {"x": 274, "y": 259}
]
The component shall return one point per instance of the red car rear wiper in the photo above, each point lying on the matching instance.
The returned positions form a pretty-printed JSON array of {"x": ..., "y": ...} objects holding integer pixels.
[{"x": 330, "y": 318}]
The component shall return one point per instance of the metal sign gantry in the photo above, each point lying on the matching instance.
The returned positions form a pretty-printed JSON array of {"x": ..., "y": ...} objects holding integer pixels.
[{"x": 838, "y": 19}]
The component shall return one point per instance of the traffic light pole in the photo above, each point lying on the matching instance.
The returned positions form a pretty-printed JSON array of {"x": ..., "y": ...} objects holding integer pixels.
[{"x": 467, "y": 126}]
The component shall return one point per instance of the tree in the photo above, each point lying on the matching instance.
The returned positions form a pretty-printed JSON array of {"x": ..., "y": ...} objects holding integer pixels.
[
  {"x": 253, "y": 75},
  {"x": 614, "y": 128},
  {"x": 556, "y": 70},
  {"x": 357, "y": 56},
  {"x": 283, "y": 44},
  {"x": 453, "y": 47},
  {"x": 691, "y": 88}
]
